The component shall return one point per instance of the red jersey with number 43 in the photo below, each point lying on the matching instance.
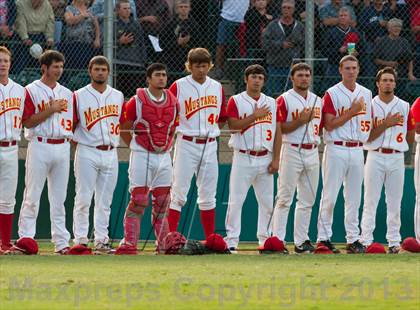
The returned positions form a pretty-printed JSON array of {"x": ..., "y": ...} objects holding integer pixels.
[
  {"x": 98, "y": 116},
  {"x": 154, "y": 122},
  {"x": 260, "y": 134},
  {"x": 202, "y": 106},
  {"x": 38, "y": 98},
  {"x": 393, "y": 137}
]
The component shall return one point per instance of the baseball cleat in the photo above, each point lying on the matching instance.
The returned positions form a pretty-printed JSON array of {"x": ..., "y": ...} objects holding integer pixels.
[
  {"x": 233, "y": 250},
  {"x": 394, "y": 249},
  {"x": 103, "y": 248},
  {"x": 305, "y": 247},
  {"x": 355, "y": 248},
  {"x": 63, "y": 251},
  {"x": 328, "y": 245}
]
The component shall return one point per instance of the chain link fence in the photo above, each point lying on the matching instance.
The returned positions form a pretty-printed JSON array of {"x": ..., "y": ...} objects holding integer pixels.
[{"x": 237, "y": 32}]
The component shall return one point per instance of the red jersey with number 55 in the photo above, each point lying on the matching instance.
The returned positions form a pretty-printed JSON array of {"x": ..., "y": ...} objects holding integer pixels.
[{"x": 202, "y": 106}]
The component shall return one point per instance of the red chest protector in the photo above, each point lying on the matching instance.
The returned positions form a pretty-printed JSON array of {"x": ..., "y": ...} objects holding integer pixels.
[{"x": 155, "y": 128}]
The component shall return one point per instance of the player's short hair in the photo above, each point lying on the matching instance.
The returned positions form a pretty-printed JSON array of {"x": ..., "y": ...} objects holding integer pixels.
[
  {"x": 119, "y": 2},
  {"x": 99, "y": 60},
  {"x": 157, "y": 66},
  {"x": 348, "y": 58},
  {"x": 255, "y": 69},
  {"x": 50, "y": 56},
  {"x": 300, "y": 66},
  {"x": 198, "y": 55},
  {"x": 385, "y": 70},
  {"x": 6, "y": 51}
]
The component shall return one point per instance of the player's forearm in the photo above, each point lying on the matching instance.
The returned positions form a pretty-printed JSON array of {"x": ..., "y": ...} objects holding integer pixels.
[
  {"x": 125, "y": 133},
  {"x": 410, "y": 136},
  {"x": 377, "y": 131},
  {"x": 239, "y": 124},
  {"x": 277, "y": 143},
  {"x": 338, "y": 121},
  {"x": 38, "y": 118},
  {"x": 291, "y": 126}
]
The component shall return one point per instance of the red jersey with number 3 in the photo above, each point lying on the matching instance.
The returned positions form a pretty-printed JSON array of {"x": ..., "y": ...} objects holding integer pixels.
[
  {"x": 393, "y": 137},
  {"x": 260, "y": 134},
  {"x": 202, "y": 106}
]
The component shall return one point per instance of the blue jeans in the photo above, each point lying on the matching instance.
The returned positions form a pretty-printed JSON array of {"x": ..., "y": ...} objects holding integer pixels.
[
  {"x": 226, "y": 31},
  {"x": 278, "y": 80}
]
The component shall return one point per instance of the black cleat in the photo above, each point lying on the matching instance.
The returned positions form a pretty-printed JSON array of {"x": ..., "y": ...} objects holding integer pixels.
[
  {"x": 305, "y": 247},
  {"x": 355, "y": 248},
  {"x": 394, "y": 249},
  {"x": 330, "y": 246}
]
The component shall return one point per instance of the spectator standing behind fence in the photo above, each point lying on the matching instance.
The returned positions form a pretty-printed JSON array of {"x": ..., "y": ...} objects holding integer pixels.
[
  {"x": 358, "y": 7},
  {"x": 98, "y": 9},
  {"x": 179, "y": 36},
  {"x": 373, "y": 21},
  {"x": 231, "y": 17},
  {"x": 341, "y": 40},
  {"x": 7, "y": 19},
  {"x": 329, "y": 14},
  {"x": 394, "y": 51},
  {"x": 256, "y": 20},
  {"x": 34, "y": 24},
  {"x": 131, "y": 49},
  {"x": 282, "y": 41},
  {"x": 401, "y": 11},
  {"x": 153, "y": 16},
  {"x": 82, "y": 35},
  {"x": 59, "y": 8},
  {"x": 415, "y": 27}
]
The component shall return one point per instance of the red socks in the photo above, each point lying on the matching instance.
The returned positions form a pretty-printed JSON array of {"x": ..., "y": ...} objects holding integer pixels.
[
  {"x": 207, "y": 220},
  {"x": 6, "y": 222},
  {"x": 173, "y": 219}
]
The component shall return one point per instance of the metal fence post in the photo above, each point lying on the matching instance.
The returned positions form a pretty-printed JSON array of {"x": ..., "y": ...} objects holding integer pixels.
[
  {"x": 309, "y": 34},
  {"x": 109, "y": 37}
]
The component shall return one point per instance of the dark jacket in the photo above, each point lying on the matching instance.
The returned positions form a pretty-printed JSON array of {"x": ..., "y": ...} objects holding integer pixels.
[
  {"x": 273, "y": 39},
  {"x": 173, "y": 54},
  {"x": 255, "y": 24},
  {"x": 336, "y": 38},
  {"x": 135, "y": 52}
]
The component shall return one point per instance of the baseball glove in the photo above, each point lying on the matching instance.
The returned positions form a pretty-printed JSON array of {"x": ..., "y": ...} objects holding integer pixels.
[
  {"x": 193, "y": 247},
  {"x": 173, "y": 242}
]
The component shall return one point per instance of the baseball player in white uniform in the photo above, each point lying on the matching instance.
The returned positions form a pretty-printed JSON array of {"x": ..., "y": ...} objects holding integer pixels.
[
  {"x": 415, "y": 109},
  {"x": 256, "y": 142},
  {"x": 346, "y": 116},
  {"x": 202, "y": 111},
  {"x": 48, "y": 118},
  {"x": 98, "y": 110},
  {"x": 12, "y": 99},
  {"x": 153, "y": 116},
  {"x": 392, "y": 131},
  {"x": 300, "y": 112}
]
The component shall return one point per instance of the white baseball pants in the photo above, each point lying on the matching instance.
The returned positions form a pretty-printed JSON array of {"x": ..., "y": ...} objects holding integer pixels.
[
  {"x": 299, "y": 171},
  {"x": 96, "y": 172},
  {"x": 383, "y": 169},
  {"x": 247, "y": 171},
  {"x": 200, "y": 160},
  {"x": 8, "y": 178},
  {"x": 150, "y": 169},
  {"x": 49, "y": 162},
  {"x": 341, "y": 165}
]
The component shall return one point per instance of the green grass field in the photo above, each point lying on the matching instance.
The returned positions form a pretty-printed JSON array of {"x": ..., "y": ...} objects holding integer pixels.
[{"x": 243, "y": 281}]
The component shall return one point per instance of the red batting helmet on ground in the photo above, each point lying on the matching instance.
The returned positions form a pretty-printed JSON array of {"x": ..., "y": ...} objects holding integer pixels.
[{"x": 375, "y": 248}]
